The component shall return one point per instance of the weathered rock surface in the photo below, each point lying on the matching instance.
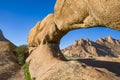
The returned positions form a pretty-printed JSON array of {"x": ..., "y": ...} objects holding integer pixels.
[
  {"x": 8, "y": 62},
  {"x": 44, "y": 38},
  {"x": 87, "y": 13},
  {"x": 73, "y": 70},
  {"x": 86, "y": 48},
  {"x": 8, "y": 65}
]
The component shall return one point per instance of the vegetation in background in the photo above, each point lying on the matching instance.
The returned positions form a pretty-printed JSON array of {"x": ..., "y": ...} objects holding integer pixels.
[
  {"x": 72, "y": 58},
  {"x": 21, "y": 52}
]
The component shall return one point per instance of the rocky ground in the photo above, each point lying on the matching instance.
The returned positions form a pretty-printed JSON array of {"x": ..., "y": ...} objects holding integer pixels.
[{"x": 99, "y": 68}]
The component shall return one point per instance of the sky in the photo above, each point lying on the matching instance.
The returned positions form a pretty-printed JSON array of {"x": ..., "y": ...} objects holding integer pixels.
[{"x": 17, "y": 17}]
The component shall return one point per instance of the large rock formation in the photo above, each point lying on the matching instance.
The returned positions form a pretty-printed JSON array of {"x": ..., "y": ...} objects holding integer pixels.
[
  {"x": 86, "y": 48},
  {"x": 44, "y": 38},
  {"x": 8, "y": 62},
  {"x": 71, "y": 14}
]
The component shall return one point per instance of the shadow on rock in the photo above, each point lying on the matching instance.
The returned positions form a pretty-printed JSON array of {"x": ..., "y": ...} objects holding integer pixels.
[{"x": 113, "y": 67}]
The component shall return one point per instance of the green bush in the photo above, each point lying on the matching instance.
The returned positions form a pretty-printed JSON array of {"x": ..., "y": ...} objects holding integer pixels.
[
  {"x": 21, "y": 52},
  {"x": 72, "y": 58},
  {"x": 26, "y": 71}
]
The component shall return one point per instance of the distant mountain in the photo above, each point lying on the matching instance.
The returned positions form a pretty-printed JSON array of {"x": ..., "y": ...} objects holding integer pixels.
[
  {"x": 86, "y": 48},
  {"x": 5, "y": 44}
]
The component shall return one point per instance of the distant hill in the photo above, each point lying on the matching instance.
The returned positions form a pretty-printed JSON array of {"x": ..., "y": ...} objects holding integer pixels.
[
  {"x": 86, "y": 48},
  {"x": 8, "y": 62}
]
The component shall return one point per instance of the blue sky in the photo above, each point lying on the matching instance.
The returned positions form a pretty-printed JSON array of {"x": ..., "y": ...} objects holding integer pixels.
[{"x": 17, "y": 17}]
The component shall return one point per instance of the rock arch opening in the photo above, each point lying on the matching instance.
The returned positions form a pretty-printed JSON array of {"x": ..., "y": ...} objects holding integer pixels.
[
  {"x": 91, "y": 33},
  {"x": 47, "y": 38},
  {"x": 91, "y": 42},
  {"x": 44, "y": 38},
  {"x": 46, "y": 34}
]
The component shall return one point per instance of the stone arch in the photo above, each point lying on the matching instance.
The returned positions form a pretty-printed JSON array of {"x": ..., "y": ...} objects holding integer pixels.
[
  {"x": 44, "y": 38},
  {"x": 68, "y": 17}
]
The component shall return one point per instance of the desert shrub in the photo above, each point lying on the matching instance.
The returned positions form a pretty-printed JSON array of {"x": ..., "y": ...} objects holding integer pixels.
[
  {"x": 26, "y": 72},
  {"x": 72, "y": 57},
  {"x": 21, "y": 52}
]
